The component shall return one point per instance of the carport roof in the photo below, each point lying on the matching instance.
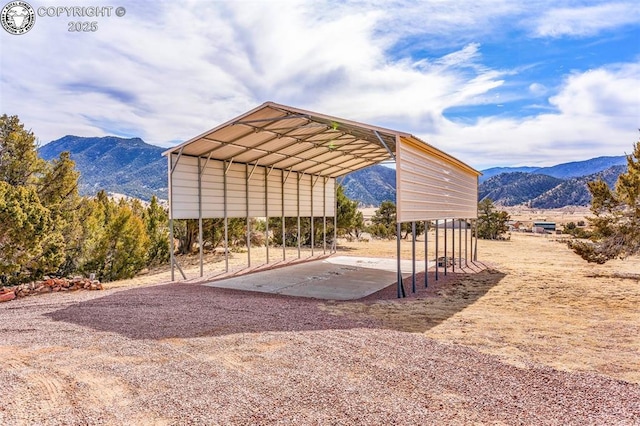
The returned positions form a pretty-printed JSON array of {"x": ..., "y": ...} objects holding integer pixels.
[{"x": 287, "y": 138}]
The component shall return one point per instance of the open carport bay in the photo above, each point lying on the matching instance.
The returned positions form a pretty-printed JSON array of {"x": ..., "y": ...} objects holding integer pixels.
[{"x": 334, "y": 278}]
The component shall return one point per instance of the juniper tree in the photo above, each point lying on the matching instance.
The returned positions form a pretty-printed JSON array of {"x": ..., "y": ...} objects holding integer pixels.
[
  {"x": 491, "y": 222},
  {"x": 19, "y": 161},
  {"x": 616, "y": 220},
  {"x": 31, "y": 239},
  {"x": 384, "y": 222},
  {"x": 350, "y": 220}
]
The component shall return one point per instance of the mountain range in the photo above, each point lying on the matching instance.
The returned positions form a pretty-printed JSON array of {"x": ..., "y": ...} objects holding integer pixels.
[
  {"x": 124, "y": 166},
  {"x": 137, "y": 169}
]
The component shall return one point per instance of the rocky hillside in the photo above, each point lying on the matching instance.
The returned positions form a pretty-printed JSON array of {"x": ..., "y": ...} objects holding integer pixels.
[
  {"x": 125, "y": 166},
  {"x": 510, "y": 189},
  {"x": 542, "y": 191},
  {"x": 371, "y": 186}
]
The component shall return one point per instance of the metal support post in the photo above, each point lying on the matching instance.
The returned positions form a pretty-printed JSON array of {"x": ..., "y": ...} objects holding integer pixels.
[
  {"x": 453, "y": 245},
  {"x": 266, "y": 212},
  {"x": 401, "y": 292},
  {"x": 226, "y": 219},
  {"x": 299, "y": 176},
  {"x": 459, "y": 243},
  {"x": 284, "y": 249},
  {"x": 426, "y": 254},
  {"x": 413, "y": 257},
  {"x": 312, "y": 218},
  {"x": 335, "y": 216},
  {"x": 466, "y": 242},
  {"x": 172, "y": 248},
  {"x": 475, "y": 252},
  {"x": 437, "y": 244},
  {"x": 446, "y": 258},
  {"x": 200, "y": 237},
  {"x": 324, "y": 215},
  {"x": 246, "y": 202}
]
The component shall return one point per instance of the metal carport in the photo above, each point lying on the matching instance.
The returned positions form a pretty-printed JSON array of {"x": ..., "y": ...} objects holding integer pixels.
[{"x": 280, "y": 161}]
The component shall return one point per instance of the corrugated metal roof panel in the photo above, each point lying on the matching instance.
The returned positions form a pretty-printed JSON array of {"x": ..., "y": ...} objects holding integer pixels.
[{"x": 281, "y": 136}]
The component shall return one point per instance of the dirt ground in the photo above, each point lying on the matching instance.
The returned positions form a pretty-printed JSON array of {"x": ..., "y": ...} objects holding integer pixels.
[
  {"x": 537, "y": 301},
  {"x": 530, "y": 334}
]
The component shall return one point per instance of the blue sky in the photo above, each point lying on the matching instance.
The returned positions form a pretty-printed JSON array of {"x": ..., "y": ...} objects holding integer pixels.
[{"x": 492, "y": 82}]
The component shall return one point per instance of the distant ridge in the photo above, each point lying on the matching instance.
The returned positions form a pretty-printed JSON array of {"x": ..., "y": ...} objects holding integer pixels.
[
  {"x": 137, "y": 169},
  {"x": 564, "y": 170},
  {"x": 125, "y": 166},
  {"x": 495, "y": 171}
]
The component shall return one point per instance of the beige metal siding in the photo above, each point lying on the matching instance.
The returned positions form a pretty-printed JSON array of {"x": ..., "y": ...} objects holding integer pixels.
[
  {"x": 184, "y": 196},
  {"x": 330, "y": 194},
  {"x": 432, "y": 186},
  {"x": 318, "y": 200},
  {"x": 213, "y": 189},
  {"x": 256, "y": 192},
  {"x": 185, "y": 188},
  {"x": 236, "y": 191},
  {"x": 274, "y": 195}
]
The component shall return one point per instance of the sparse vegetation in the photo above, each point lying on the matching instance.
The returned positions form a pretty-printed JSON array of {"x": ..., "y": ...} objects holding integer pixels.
[
  {"x": 616, "y": 220},
  {"x": 577, "y": 231}
]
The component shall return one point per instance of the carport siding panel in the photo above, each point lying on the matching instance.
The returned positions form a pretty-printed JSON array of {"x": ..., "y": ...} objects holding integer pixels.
[
  {"x": 330, "y": 200},
  {"x": 256, "y": 192},
  {"x": 431, "y": 188},
  {"x": 236, "y": 190},
  {"x": 184, "y": 190},
  {"x": 274, "y": 193},
  {"x": 318, "y": 197},
  {"x": 213, "y": 189}
]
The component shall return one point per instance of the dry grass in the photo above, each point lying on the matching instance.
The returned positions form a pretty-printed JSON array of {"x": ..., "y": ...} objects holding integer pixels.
[{"x": 539, "y": 302}]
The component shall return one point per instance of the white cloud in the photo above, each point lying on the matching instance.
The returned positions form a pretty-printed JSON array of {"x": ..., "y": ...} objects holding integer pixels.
[
  {"x": 169, "y": 71},
  {"x": 537, "y": 89},
  {"x": 597, "y": 115},
  {"x": 587, "y": 20}
]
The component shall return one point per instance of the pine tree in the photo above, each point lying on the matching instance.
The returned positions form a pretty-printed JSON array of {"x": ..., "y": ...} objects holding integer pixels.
[
  {"x": 157, "y": 224},
  {"x": 384, "y": 220},
  {"x": 19, "y": 161},
  {"x": 58, "y": 191},
  {"x": 31, "y": 239},
  {"x": 616, "y": 220},
  {"x": 350, "y": 220},
  {"x": 491, "y": 222},
  {"x": 118, "y": 244},
  {"x": 29, "y": 247}
]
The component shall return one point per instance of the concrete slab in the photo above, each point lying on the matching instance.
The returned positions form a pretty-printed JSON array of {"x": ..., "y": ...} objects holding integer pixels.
[
  {"x": 335, "y": 278},
  {"x": 382, "y": 264}
]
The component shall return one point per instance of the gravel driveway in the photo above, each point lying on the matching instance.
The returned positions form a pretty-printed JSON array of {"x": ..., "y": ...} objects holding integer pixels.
[{"x": 189, "y": 354}]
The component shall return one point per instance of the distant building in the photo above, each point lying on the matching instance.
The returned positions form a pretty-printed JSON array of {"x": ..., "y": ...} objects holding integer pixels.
[
  {"x": 515, "y": 225},
  {"x": 544, "y": 227}
]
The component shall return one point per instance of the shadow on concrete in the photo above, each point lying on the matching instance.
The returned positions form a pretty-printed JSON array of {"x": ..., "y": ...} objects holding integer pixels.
[{"x": 182, "y": 310}]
